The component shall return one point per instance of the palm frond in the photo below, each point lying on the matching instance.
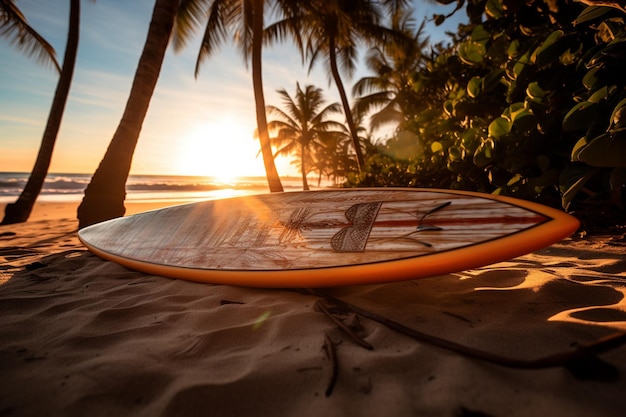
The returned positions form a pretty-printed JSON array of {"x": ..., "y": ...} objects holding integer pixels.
[
  {"x": 283, "y": 30},
  {"x": 368, "y": 84},
  {"x": 347, "y": 59},
  {"x": 395, "y": 7},
  {"x": 191, "y": 14},
  {"x": 389, "y": 114},
  {"x": 366, "y": 104},
  {"x": 243, "y": 14},
  {"x": 215, "y": 32},
  {"x": 284, "y": 119},
  {"x": 330, "y": 126},
  {"x": 15, "y": 28},
  {"x": 322, "y": 115}
]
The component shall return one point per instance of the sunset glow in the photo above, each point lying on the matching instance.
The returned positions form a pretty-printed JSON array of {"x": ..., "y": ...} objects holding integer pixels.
[
  {"x": 200, "y": 125},
  {"x": 222, "y": 150}
]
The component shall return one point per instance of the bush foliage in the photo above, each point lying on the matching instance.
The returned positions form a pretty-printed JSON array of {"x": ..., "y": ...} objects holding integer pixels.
[{"x": 528, "y": 100}]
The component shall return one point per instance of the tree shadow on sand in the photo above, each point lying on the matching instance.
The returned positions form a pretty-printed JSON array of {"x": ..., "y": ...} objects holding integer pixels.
[{"x": 551, "y": 301}]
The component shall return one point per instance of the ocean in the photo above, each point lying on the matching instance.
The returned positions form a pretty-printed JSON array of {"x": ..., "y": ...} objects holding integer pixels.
[{"x": 142, "y": 188}]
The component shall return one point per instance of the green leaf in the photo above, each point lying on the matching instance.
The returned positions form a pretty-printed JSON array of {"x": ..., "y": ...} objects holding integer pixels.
[
  {"x": 520, "y": 65},
  {"x": 474, "y": 87},
  {"x": 519, "y": 111},
  {"x": 510, "y": 111},
  {"x": 582, "y": 142},
  {"x": 513, "y": 49},
  {"x": 480, "y": 35},
  {"x": 616, "y": 44},
  {"x": 534, "y": 91},
  {"x": 493, "y": 9},
  {"x": 516, "y": 178},
  {"x": 499, "y": 127},
  {"x": 552, "y": 38},
  {"x": 524, "y": 120},
  {"x": 599, "y": 95},
  {"x": 580, "y": 117},
  {"x": 436, "y": 147},
  {"x": 591, "y": 79},
  {"x": 618, "y": 117},
  {"x": 603, "y": 56},
  {"x": 546, "y": 53},
  {"x": 472, "y": 53},
  {"x": 535, "y": 96},
  {"x": 455, "y": 153},
  {"x": 607, "y": 150},
  {"x": 492, "y": 80},
  {"x": 572, "y": 180},
  {"x": 469, "y": 139},
  {"x": 591, "y": 13},
  {"x": 484, "y": 154}
]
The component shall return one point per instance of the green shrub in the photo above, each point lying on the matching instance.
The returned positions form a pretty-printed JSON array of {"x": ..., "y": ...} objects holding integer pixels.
[{"x": 528, "y": 101}]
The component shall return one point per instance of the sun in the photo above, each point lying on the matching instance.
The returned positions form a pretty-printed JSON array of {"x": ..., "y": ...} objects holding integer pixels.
[{"x": 225, "y": 151}]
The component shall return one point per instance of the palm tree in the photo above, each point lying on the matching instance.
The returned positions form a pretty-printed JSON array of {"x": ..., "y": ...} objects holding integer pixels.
[
  {"x": 15, "y": 28},
  {"x": 245, "y": 19},
  {"x": 303, "y": 126},
  {"x": 333, "y": 158},
  {"x": 390, "y": 89},
  {"x": 20, "y": 210},
  {"x": 333, "y": 29},
  {"x": 105, "y": 194}
]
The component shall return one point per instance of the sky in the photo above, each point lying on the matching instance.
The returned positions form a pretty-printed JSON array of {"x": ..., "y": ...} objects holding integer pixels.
[{"x": 194, "y": 126}]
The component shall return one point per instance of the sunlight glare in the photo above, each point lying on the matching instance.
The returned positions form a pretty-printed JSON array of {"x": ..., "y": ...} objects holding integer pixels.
[{"x": 225, "y": 150}]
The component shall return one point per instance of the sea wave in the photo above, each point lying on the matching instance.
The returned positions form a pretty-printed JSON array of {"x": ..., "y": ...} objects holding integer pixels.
[
  {"x": 139, "y": 187},
  {"x": 13, "y": 183}
]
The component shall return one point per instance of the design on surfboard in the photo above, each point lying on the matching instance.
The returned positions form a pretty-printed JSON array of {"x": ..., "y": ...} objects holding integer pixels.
[{"x": 353, "y": 238}]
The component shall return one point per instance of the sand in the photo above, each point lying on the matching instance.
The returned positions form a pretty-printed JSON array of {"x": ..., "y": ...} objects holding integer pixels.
[{"x": 82, "y": 336}]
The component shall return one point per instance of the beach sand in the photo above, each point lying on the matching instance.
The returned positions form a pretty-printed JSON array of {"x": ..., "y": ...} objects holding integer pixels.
[{"x": 82, "y": 336}]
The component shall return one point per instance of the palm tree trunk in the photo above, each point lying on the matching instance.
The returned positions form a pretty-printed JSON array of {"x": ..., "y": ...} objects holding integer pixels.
[
  {"x": 105, "y": 194},
  {"x": 305, "y": 183},
  {"x": 20, "y": 210},
  {"x": 257, "y": 81},
  {"x": 346, "y": 105}
]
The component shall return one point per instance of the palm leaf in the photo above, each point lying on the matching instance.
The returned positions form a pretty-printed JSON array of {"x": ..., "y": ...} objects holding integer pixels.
[
  {"x": 215, "y": 32},
  {"x": 15, "y": 28},
  {"x": 191, "y": 14}
]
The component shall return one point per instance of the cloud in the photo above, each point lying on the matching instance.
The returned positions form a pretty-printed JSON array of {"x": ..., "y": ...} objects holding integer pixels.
[
  {"x": 116, "y": 27},
  {"x": 100, "y": 89},
  {"x": 21, "y": 120}
]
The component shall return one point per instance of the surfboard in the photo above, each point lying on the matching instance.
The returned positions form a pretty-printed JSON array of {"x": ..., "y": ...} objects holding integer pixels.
[{"x": 328, "y": 237}]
